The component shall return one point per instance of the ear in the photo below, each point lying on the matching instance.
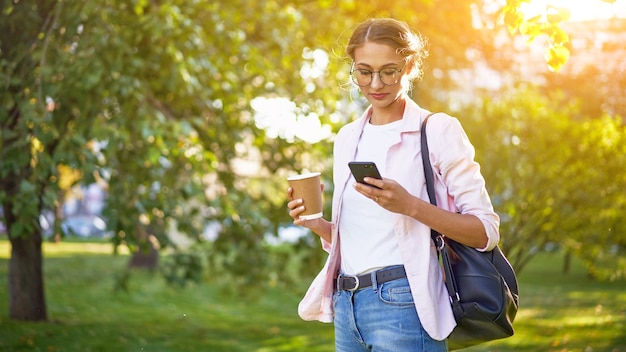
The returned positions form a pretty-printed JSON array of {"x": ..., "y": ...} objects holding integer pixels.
[{"x": 409, "y": 67}]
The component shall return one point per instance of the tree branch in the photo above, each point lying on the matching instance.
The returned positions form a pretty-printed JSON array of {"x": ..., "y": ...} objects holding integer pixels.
[{"x": 46, "y": 43}]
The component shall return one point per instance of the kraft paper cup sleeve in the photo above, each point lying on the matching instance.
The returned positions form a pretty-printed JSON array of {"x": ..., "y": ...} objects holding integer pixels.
[{"x": 308, "y": 188}]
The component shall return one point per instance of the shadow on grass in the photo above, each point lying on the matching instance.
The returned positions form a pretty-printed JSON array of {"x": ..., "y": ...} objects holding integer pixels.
[
  {"x": 87, "y": 314},
  {"x": 166, "y": 335},
  {"x": 558, "y": 313}
]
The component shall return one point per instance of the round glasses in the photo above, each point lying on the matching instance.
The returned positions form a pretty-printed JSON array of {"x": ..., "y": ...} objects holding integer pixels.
[{"x": 388, "y": 76}]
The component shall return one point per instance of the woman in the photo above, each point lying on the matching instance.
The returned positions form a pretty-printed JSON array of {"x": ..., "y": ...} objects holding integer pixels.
[{"x": 382, "y": 283}]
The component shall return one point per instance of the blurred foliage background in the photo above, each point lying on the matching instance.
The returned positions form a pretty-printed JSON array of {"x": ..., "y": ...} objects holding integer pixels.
[{"x": 191, "y": 114}]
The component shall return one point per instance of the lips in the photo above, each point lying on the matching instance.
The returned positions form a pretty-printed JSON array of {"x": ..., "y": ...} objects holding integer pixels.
[{"x": 378, "y": 96}]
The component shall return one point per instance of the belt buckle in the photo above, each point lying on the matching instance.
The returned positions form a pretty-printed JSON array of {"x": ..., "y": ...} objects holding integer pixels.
[{"x": 356, "y": 283}]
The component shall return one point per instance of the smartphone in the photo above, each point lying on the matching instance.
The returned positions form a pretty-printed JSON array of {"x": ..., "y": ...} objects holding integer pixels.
[{"x": 362, "y": 169}]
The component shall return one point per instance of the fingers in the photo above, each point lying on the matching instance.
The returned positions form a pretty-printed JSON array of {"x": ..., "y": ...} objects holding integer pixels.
[
  {"x": 300, "y": 222},
  {"x": 295, "y": 214},
  {"x": 379, "y": 191},
  {"x": 370, "y": 192},
  {"x": 375, "y": 182},
  {"x": 294, "y": 204},
  {"x": 371, "y": 187},
  {"x": 295, "y": 208}
]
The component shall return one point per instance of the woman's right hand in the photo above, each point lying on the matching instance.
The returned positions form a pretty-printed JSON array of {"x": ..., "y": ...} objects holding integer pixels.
[
  {"x": 295, "y": 205},
  {"x": 319, "y": 226}
]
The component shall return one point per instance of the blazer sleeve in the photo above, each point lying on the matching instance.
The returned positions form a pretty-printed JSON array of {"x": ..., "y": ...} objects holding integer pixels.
[{"x": 459, "y": 174}]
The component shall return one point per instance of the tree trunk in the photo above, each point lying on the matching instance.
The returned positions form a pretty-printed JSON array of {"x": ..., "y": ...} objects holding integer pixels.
[
  {"x": 26, "y": 291},
  {"x": 567, "y": 261}
]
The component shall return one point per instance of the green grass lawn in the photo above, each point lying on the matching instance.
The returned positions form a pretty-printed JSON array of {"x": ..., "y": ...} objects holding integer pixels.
[{"x": 559, "y": 313}]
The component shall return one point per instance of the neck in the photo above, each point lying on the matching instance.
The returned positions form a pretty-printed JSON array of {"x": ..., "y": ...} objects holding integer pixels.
[{"x": 388, "y": 114}]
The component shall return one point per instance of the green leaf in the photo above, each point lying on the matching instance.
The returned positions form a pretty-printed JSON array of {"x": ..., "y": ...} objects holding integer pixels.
[{"x": 556, "y": 57}]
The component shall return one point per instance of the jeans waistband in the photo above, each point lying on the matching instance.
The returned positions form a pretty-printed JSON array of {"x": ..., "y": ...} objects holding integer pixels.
[{"x": 353, "y": 283}]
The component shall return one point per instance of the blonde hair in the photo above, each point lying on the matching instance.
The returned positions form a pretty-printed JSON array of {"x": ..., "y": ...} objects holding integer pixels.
[{"x": 394, "y": 33}]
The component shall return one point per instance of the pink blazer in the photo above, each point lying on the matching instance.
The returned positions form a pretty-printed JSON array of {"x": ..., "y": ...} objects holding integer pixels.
[{"x": 459, "y": 187}]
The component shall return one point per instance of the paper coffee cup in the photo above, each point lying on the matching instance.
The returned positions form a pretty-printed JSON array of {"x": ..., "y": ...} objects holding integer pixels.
[{"x": 308, "y": 188}]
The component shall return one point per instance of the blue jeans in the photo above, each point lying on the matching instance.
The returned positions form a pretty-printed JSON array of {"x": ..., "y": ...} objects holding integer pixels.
[{"x": 380, "y": 318}]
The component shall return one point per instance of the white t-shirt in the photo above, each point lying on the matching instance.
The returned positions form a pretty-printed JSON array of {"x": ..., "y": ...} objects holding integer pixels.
[{"x": 367, "y": 239}]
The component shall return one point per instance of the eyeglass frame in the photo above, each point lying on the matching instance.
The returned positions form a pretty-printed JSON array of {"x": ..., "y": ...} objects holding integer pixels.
[{"x": 353, "y": 69}]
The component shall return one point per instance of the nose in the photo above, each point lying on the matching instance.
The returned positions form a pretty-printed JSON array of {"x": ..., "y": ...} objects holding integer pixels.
[{"x": 376, "y": 81}]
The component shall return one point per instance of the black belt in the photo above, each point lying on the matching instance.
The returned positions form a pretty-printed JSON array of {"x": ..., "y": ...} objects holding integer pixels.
[{"x": 353, "y": 283}]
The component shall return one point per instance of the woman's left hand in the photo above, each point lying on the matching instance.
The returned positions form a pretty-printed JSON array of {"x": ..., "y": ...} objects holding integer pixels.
[{"x": 388, "y": 193}]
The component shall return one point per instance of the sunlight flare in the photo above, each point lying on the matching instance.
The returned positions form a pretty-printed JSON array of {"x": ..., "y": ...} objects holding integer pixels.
[{"x": 578, "y": 10}]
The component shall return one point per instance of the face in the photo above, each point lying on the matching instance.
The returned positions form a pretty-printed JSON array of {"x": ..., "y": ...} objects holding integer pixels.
[{"x": 375, "y": 57}]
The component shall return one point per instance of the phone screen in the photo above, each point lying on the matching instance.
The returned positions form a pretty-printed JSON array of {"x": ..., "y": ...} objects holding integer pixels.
[{"x": 362, "y": 169}]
